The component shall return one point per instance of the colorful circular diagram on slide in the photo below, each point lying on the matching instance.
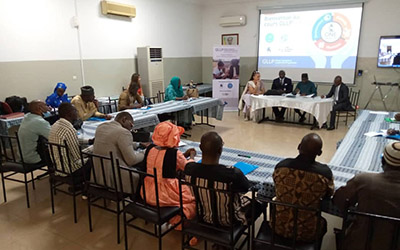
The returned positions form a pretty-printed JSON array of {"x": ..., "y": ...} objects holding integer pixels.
[{"x": 331, "y": 32}]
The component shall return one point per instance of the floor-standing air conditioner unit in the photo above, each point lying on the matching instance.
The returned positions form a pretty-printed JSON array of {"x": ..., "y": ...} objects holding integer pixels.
[{"x": 151, "y": 70}]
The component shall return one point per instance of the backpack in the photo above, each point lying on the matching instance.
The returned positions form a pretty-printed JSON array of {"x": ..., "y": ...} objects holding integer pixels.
[{"x": 18, "y": 104}]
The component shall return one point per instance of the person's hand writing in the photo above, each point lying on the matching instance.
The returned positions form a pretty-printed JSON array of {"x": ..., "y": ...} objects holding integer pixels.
[
  {"x": 302, "y": 94},
  {"x": 108, "y": 117},
  {"x": 185, "y": 97},
  {"x": 322, "y": 96}
]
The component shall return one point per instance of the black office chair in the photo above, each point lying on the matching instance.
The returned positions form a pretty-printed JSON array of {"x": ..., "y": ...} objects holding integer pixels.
[
  {"x": 12, "y": 163},
  {"x": 374, "y": 230},
  {"x": 267, "y": 238},
  {"x": 102, "y": 186},
  {"x": 60, "y": 174},
  {"x": 354, "y": 97},
  {"x": 137, "y": 207},
  {"x": 226, "y": 235}
]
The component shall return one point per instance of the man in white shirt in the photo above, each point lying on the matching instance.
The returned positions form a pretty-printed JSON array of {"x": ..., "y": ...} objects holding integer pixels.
[{"x": 340, "y": 93}]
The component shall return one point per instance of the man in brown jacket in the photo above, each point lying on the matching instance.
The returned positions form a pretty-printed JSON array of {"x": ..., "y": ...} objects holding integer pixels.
[
  {"x": 115, "y": 136},
  {"x": 302, "y": 181},
  {"x": 376, "y": 193}
]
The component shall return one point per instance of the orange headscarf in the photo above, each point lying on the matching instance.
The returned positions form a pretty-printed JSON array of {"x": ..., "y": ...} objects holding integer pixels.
[{"x": 166, "y": 134}]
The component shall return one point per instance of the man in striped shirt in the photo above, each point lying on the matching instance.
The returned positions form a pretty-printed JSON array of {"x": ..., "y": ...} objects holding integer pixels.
[{"x": 61, "y": 131}]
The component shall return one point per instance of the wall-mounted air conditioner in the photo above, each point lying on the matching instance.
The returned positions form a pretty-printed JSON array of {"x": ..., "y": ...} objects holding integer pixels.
[
  {"x": 232, "y": 21},
  {"x": 151, "y": 70},
  {"x": 118, "y": 9}
]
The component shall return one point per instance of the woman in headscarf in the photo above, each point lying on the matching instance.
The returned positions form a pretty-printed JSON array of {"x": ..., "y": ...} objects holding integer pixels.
[
  {"x": 167, "y": 159},
  {"x": 54, "y": 100},
  {"x": 130, "y": 98},
  {"x": 174, "y": 90}
]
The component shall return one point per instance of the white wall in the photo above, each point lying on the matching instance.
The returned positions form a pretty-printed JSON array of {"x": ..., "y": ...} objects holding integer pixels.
[
  {"x": 41, "y": 30},
  {"x": 380, "y": 18},
  {"x": 39, "y": 46},
  {"x": 37, "y": 30}
]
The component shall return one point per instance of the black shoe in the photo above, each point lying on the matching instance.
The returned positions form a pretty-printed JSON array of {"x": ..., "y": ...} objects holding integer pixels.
[
  {"x": 302, "y": 119},
  {"x": 331, "y": 128},
  {"x": 279, "y": 119},
  {"x": 324, "y": 125}
]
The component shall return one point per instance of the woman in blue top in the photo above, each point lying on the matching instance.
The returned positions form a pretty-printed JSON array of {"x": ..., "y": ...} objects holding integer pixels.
[
  {"x": 174, "y": 90},
  {"x": 54, "y": 100}
]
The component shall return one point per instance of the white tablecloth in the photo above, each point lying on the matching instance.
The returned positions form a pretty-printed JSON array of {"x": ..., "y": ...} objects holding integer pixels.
[{"x": 319, "y": 108}]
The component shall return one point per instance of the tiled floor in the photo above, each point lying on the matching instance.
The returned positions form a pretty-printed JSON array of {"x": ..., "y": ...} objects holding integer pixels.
[{"x": 38, "y": 229}]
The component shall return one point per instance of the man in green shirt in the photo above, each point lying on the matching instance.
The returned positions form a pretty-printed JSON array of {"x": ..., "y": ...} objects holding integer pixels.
[
  {"x": 32, "y": 127},
  {"x": 305, "y": 87}
]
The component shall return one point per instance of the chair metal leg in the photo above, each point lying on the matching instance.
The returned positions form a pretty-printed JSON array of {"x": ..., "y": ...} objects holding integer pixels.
[
  {"x": 4, "y": 187},
  {"x": 26, "y": 191},
  {"x": 52, "y": 195},
  {"x": 159, "y": 238},
  {"x": 125, "y": 232},
  {"x": 205, "y": 245},
  {"x": 74, "y": 203},
  {"x": 118, "y": 223},
  {"x": 89, "y": 214},
  {"x": 33, "y": 181},
  {"x": 347, "y": 116}
]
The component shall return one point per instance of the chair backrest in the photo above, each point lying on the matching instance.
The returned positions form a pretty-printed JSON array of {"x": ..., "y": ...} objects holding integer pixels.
[
  {"x": 139, "y": 187},
  {"x": 154, "y": 99},
  {"x": 354, "y": 97},
  {"x": 10, "y": 149},
  {"x": 373, "y": 228},
  {"x": 296, "y": 209},
  {"x": 214, "y": 202},
  {"x": 60, "y": 159},
  {"x": 107, "y": 108},
  {"x": 103, "y": 174},
  {"x": 161, "y": 96}
]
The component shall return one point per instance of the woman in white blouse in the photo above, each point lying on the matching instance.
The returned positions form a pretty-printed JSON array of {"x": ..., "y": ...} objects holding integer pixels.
[{"x": 253, "y": 87}]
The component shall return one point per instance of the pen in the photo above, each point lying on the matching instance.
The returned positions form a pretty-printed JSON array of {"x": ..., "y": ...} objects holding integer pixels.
[{"x": 247, "y": 156}]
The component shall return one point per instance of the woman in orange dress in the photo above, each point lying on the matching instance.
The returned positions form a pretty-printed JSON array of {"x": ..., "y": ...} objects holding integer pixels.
[{"x": 166, "y": 138}]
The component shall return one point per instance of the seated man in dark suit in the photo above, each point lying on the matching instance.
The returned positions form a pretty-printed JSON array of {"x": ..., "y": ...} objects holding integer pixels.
[
  {"x": 283, "y": 85},
  {"x": 302, "y": 181},
  {"x": 342, "y": 102},
  {"x": 209, "y": 170}
]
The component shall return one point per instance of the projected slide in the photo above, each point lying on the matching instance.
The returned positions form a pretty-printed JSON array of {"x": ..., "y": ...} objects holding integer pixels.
[{"x": 323, "y": 43}]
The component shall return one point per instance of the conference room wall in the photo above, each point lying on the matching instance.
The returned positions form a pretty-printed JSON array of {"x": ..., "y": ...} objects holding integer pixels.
[
  {"x": 379, "y": 18},
  {"x": 41, "y": 49}
]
